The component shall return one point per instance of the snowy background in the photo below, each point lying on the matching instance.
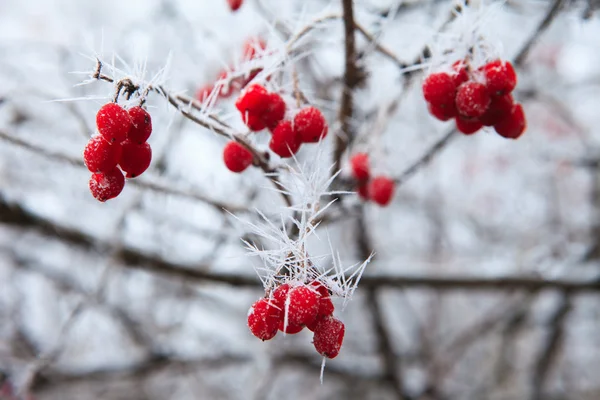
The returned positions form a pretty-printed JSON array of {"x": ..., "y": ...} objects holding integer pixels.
[{"x": 146, "y": 296}]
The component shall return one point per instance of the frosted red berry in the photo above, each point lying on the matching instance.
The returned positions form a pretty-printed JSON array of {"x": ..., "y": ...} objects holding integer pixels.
[
  {"x": 329, "y": 336},
  {"x": 500, "y": 108},
  {"x": 439, "y": 89},
  {"x": 468, "y": 126},
  {"x": 254, "y": 122},
  {"x": 113, "y": 122},
  {"x": 107, "y": 185},
  {"x": 285, "y": 142},
  {"x": 101, "y": 156},
  {"x": 472, "y": 99},
  {"x": 302, "y": 305},
  {"x": 381, "y": 190},
  {"x": 290, "y": 328},
  {"x": 135, "y": 158},
  {"x": 512, "y": 126},
  {"x": 141, "y": 125},
  {"x": 310, "y": 124},
  {"x": 253, "y": 100},
  {"x": 360, "y": 166},
  {"x": 263, "y": 319},
  {"x": 274, "y": 112},
  {"x": 236, "y": 157},
  {"x": 461, "y": 74},
  {"x": 443, "y": 113},
  {"x": 234, "y": 4},
  {"x": 500, "y": 76}
]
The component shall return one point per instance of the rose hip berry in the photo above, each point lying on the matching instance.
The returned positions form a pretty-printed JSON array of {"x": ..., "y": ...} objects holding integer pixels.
[
  {"x": 263, "y": 319},
  {"x": 439, "y": 89},
  {"x": 135, "y": 158},
  {"x": 107, "y": 185},
  {"x": 500, "y": 76},
  {"x": 101, "y": 156},
  {"x": 468, "y": 126},
  {"x": 141, "y": 125},
  {"x": 285, "y": 142},
  {"x": 236, "y": 157},
  {"x": 472, "y": 99},
  {"x": 329, "y": 336},
  {"x": 360, "y": 166},
  {"x": 113, "y": 122},
  {"x": 310, "y": 125},
  {"x": 513, "y": 126},
  {"x": 381, "y": 190}
]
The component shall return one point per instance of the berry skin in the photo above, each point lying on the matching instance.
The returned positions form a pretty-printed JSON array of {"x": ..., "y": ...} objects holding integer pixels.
[
  {"x": 363, "y": 191},
  {"x": 113, "y": 122},
  {"x": 439, "y": 89},
  {"x": 236, "y": 157},
  {"x": 107, "y": 185},
  {"x": 290, "y": 329},
  {"x": 254, "y": 100},
  {"x": 275, "y": 111},
  {"x": 472, "y": 99},
  {"x": 234, "y": 4},
  {"x": 254, "y": 123},
  {"x": 101, "y": 156},
  {"x": 443, "y": 113},
  {"x": 284, "y": 142},
  {"x": 500, "y": 108},
  {"x": 302, "y": 305},
  {"x": 381, "y": 190},
  {"x": 141, "y": 125},
  {"x": 468, "y": 126},
  {"x": 513, "y": 126},
  {"x": 310, "y": 125},
  {"x": 263, "y": 319},
  {"x": 500, "y": 76},
  {"x": 135, "y": 158},
  {"x": 329, "y": 336},
  {"x": 461, "y": 75},
  {"x": 360, "y": 166}
]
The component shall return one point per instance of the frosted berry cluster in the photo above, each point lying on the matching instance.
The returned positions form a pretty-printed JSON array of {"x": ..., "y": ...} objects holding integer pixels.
[
  {"x": 120, "y": 148},
  {"x": 379, "y": 189},
  {"x": 477, "y": 98},
  {"x": 261, "y": 110},
  {"x": 292, "y": 307}
]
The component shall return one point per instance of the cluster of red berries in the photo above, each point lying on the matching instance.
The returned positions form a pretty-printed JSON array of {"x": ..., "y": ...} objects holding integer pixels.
[
  {"x": 249, "y": 52},
  {"x": 474, "y": 103},
  {"x": 121, "y": 142},
  {"x": 290, "y": 308},
  {"x": 379, "y": 189},
  {"x": 261, "y": 109}
]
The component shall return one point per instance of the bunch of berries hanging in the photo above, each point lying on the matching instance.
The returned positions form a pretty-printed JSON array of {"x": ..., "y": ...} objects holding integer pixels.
[
  {"x": 379, "y": 189},
  {"x": 259, "y": 110},
  {"x": 293, "y": 306},
  {"x": 120, "y": 148},
  {"x": 477, "y": 98}
]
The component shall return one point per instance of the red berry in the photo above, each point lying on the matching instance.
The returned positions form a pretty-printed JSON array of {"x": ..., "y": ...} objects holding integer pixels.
[
  {"x": 263, "y": 319},
  {"x": 500, "y": 108},
  {"x": 101, "y": 156},
  {"x": 468, "y": 126},
  {"x": 141, "y": 125},
  {"x": 254, "y": 123},
  {"x": 251, "y": 46},
  {"x": 302, "y": 305},
  {"x": 135, "y": 158},
  {"x": 472, "y": 99},
  {"x": 280, "y": 295},
  {"x": 234, "y": 4},
  {"x": 113, "y": 122},
  {"x": 275, "y": 111},
  {"x": 360, "y": 166},
  {"x": 310, "y": 124},
  {"x": 443, "y": 113},
  {"x": 512, "y": 126},
  {"x": 329, "y": 335},
  {"x": 236, "y": 157},
  {"x": 284, "y": 142},
  {"x": 381, "y": 190},
  {"x": 290, "y": 328},
  {"x": 253, "y": 100},
  {"x": 363, "y": 191},
  {"x": 326, "y": 306},
  {"x": 500, "y": 76},
  {"x": 107, "y": 185},
  {"x": 439, "y": 89},
  {"x": 461, "y": 75}
]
